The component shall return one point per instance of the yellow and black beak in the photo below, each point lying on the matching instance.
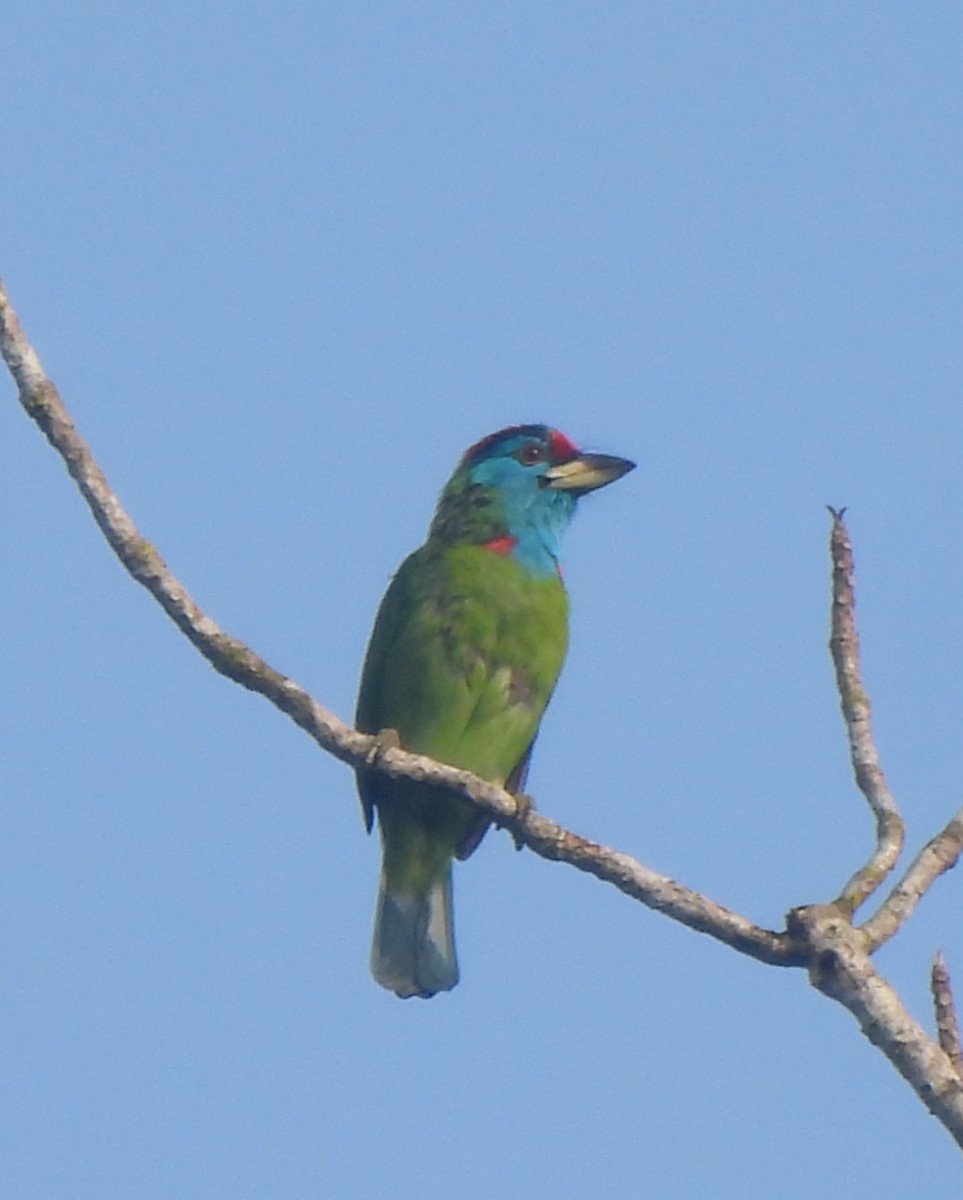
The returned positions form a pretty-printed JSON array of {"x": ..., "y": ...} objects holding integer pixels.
[{"x": 586, "y": 472}]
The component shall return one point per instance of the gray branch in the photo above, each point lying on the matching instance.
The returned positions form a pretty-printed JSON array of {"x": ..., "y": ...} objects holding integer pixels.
[
  {"x": 947, "y": 1026},
  {"x": 937, "y": 856},
  {"x": 840, "y": 967},
  {"x": 237, "y": 661},
  {"x": 821, "y": 938},
  {"x": 854, "y": 702}
]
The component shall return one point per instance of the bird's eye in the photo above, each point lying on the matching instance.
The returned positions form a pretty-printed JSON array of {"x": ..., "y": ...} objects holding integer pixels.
[{"x": 530, "y": 454}]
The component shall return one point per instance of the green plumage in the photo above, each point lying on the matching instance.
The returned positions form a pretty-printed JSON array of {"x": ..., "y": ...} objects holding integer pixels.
[{"x": 465, "y": 652}]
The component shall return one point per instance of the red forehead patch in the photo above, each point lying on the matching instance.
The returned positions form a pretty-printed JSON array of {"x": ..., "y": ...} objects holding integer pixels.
[{"x": 561, "y": 448}]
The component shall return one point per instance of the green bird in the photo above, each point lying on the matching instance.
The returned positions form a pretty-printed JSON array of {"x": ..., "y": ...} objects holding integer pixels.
[{"x": 464, "y": 655}]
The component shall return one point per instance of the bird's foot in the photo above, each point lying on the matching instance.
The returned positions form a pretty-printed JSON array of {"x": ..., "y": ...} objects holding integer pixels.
[
  {"x": 524, "y": 807},
  {"x": 384, "y": 740}
]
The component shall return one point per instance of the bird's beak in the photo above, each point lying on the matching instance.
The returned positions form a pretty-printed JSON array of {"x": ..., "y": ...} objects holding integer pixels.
[{"x": 586, "y": 472}]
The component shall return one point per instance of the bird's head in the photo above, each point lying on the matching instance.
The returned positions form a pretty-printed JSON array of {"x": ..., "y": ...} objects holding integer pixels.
[{"x": 515, "y": 491}]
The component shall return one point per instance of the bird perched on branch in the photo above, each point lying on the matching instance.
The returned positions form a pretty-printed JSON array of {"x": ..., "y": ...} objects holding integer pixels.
[{"x": 465, "y": 651}]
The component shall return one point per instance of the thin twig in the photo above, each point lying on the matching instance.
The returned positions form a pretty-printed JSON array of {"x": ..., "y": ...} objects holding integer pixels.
[
  {"x": 947, "y": 1026},
  {"x": 234, "y": 659},
  {"x": 937, "y": 856},
  {"x": 844, "y": 648}
]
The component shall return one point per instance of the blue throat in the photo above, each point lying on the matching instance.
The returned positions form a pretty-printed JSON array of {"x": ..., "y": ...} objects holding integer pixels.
[
  {"x": 536, "y": 517},
  {"x": 538, "y": 538}
]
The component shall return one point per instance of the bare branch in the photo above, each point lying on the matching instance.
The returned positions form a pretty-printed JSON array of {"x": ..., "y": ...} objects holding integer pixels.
[
  {"x": 947, "y": 1026},
  {"x": 844, "y": 648},
  {"x": 658, "y": 892},
  {"x": 840, "y": 967},
  {"x": 819, "y": 937},
  {"x": 937, "y": 856},
  {"x": 234, "y": 659}
]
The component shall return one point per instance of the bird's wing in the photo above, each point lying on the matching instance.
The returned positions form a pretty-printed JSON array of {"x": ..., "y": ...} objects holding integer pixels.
[{"x": 515, "y": 783}]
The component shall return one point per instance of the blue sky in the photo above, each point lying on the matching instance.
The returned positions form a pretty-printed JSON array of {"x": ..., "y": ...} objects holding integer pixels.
[{"x": 285, "y": 263}]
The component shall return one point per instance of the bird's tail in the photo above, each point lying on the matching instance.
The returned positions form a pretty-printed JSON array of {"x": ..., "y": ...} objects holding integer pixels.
[{"x": 413, "y": 948}]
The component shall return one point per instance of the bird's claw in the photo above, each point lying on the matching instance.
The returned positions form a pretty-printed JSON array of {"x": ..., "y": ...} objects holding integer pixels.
[
  {"x": 524, "y": 807},
  {"x": 384, "y": 740}
]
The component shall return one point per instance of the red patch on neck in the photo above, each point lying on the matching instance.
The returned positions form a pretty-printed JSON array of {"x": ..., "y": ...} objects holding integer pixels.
[
  {"x": 561, "y": 448},
  {"x": 501, "y": 545}
]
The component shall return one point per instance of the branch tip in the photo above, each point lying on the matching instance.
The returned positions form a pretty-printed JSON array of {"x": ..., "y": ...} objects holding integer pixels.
[
  {"x": 947, "y": 1025},
  {"x": 857, "y": 716}
]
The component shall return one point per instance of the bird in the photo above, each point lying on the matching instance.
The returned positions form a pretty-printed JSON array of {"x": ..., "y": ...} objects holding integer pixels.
[{"x": 464, "y": 655}]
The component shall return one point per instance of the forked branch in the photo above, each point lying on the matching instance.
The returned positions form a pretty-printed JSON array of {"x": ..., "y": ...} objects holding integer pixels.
[{"x": 822, "y": 938}]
